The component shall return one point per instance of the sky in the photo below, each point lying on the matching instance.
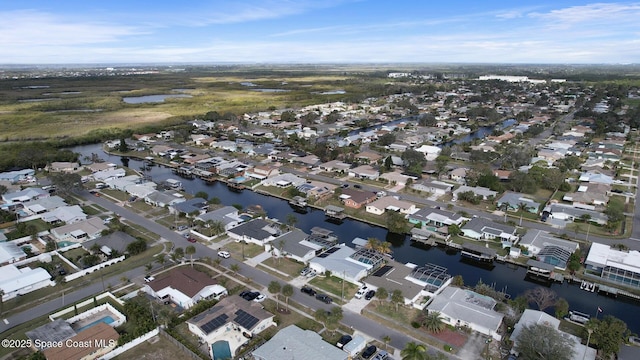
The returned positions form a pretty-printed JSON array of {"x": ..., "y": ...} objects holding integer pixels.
[{"x": 319, "y": 31}]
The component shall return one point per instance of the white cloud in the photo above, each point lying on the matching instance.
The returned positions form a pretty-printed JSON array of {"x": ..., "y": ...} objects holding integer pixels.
[
  {"x": 598, "y": 13},
  {"x": 33, "y": 28}
]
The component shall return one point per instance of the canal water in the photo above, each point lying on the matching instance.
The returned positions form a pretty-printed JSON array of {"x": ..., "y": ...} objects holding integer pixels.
[{"x": 503, "y": 277}]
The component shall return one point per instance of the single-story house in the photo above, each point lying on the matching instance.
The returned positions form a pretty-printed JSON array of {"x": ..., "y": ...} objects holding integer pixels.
[
  {"x": 16, "y": 281},
  {"x": 90, "y": 343},
  {"x": 436, "y": 217},
  {"x": 465, "y": 308},
  {"x": 283, "y": 180},
  {"x": 257, "y": 231},
  {"x": 532, "y": 317},
  {"x": 614, "y": 265},
  {"x": 294, "y": 244},
  {"x": 459, "y": 175},
  {"x": 227, "y": 215},
  {"x": 596, "y": 177},
  {"x": 477, "y": 190},
  {"x": 570, "y": 213},
  {"x": 43, "y": 205},
  {"x": 63, "y": 166},
  {"x": 293, "y": 342},
  {"x": 232, "y": 320},
  {"x": 381, "y": 205},
  {"x": 340, "y": 263},
  {"x": 66, "y": 214},
  {"x": 336, "y": 166},
  {"x": 10, "y": 252},
  {"x": 536, "y": 240},
  {"x": 184, "y": 286},
  {"x": 355, "y": 198},
  {"x": 513, "y": 200},
  {"x": 121, "y": 183},
  {"x": 483, "y": 229},
  {"x": 364, "y": 172},
  {"x": 163, "y": 198},
  {"x": 115, "y": 242},
  {"x": 17, "y": 175},
  {"x": 433, "y": 187},
  {"x": 195, "y": 206},
  {"x": 108, "y": 174},
  {"x": 23, "y": 196},
  {"x": 80, "y": 231}
]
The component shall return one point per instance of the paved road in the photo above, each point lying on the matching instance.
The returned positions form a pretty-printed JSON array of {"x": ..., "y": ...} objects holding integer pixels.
[{"x": 354, "y": 320}]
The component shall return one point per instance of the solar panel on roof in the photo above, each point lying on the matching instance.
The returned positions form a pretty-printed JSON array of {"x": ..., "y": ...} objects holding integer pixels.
[
  {"x": 215, "y": 323},
  {"x": 245, "y": 319},
  {"x": 383, "y": 271}
]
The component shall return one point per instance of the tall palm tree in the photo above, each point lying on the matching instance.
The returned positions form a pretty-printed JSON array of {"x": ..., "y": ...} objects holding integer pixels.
[
  {"x": 190, "y": 250},
  {"x": 413, "y": 351},
  {"x": 287, "y": 291}
]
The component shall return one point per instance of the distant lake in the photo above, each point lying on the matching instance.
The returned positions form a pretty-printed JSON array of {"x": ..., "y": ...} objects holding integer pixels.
[
  {"x": 247, "y": 83},
  {"x": 332, "y": 92},
  {"x": 151, "y": 98}
]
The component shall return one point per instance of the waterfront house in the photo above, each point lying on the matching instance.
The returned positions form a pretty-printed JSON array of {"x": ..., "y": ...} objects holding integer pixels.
[
  {"x": 163, "y": 198},
  {"x": 227, "y": 215},
  {"x": 191, "y": 207},
  {"x": 436, "y": 217},
  {"x": 465, "y": 308},
  {"x": 355, "y": 198},
  {"x": 381, "y": 205},
  {"x": 344, "y": 262},
  {"x": 257, "y": 231},
  {"x": 533, "y": 317},
  {"x": 483, "y": 229},
  {"x": 294, "y": 245},
  {"x": 614, "y": 265}
]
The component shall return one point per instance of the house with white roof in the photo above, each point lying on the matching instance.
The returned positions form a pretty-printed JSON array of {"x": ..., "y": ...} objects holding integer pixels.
[
  {"x": 283, "y": 180},
  {"x": 483, "y": 229},
  {"x": 17, "y": 175},
  {"x": 293, "y": 342},
  {"x": 483, "y": 192},
  {"x": 65, "y": 214},
  {"x": 364, "y": 172},
  {"x": 345, "y": 263},
  {"x": 462, "y": 307},
  {"x": 533, "y": 317},
  {"x": 380, "y": 206},
  {"x": 121, "y": 183},
  {"x": 80, "y": 231},
  {"x": 108, "y": 174},
  {"x": 141, "y": 190},
  {"x": 16, "y": 281},
  {"x": 570, "y": 213},
  {"x": 436, "y": 217},
  {"x": 430, "y": 152},
  {"x": 596, "y": 177},
  {"x": 10, "y": 252},
  {"x": 43, "y": 205},
  {"x": 614, "y": 265},
  {"x": 227, "y": 215},
  {"x": 23, "y": 196},
  {"x": 434, "y": 187}
]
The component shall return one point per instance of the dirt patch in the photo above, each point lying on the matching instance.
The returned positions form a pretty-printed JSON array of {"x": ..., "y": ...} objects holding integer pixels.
[
  {"x": 451, "y": 337},
  {"x": 284, "y": 311}
]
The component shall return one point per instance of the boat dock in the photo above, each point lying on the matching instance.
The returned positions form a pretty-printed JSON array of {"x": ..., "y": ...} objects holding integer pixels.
[
  {"x": 334, "y": 212},
  {"x": 478, "y": 253}
]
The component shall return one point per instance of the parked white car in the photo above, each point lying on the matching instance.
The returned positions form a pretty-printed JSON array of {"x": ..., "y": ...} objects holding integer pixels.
[{"x": 224, "y": 254}]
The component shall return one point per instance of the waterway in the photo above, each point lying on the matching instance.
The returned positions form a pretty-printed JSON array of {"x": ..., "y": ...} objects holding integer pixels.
[{"x": 503, "y": 277}]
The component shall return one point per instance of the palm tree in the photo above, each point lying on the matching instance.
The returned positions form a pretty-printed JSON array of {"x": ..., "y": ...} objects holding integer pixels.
[
  {"x": 433, "y": 322},
  {"x": 372, "y": 243},
  {"x": 161, "y": 259},
  {"x": 274, "y": 288},
  {"x": 235, "y": 268},
  {"x": 216, "y": 227},
  {"x": 413, "y": 351},
  {"x": 382, "y": 294},
  {"x": 387, "y": 340},
  {"x": 291, "y": 221},
  {"x": 190, "y": 250},
  {"x": 287, "y": 291}
]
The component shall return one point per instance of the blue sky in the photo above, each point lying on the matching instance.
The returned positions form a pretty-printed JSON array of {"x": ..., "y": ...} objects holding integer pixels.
[{"x": 306, "y": 31}]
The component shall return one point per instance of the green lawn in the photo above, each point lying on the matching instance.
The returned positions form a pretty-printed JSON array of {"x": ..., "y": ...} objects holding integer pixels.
[
  {"x": 285, "y": 265},
  {"x": 250, "y": 250},
  {"x": 334, "y": 286}
]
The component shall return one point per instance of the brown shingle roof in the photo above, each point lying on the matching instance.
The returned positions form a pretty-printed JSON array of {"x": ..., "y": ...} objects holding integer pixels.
[{"x": 184, "y": 279}]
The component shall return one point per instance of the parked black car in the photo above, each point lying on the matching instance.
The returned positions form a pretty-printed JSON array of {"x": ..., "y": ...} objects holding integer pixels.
[
  {"x": 369, "y": 351},
  {"x": 324, "y": 298},
  {"x": 344, "y": 340},
  {"x": 370, "y": 294},
  {"x": 307, "y": 290}
]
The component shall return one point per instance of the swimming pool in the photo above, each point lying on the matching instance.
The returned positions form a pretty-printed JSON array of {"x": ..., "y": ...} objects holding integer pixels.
[
  {"x": 62, "y": 244},
  {"x": 240, "y": 179},
  {"x": 221, "y": 350},
  {"x": 107, "y": 320}
]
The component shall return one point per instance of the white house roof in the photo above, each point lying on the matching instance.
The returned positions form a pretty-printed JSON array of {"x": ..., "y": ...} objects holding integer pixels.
[
  {"x": 65, "y": 214},
  {"x": 339, "y": 262},
  {"x": 10, "y": 252},
  {"x": 295, "y": 343},
  {"x": 602, "y": 255},
  {"x": 13, "y": 279},
  {"x": 467, "y": 306}
]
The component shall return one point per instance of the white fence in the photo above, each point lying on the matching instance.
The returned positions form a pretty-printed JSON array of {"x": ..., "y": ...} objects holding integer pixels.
[
  {"x": 85, "y": 303},
  {"x": 85, "y": 314},
  {"x": 84, "y": 272},
  {"x": 137, "y": 341}
]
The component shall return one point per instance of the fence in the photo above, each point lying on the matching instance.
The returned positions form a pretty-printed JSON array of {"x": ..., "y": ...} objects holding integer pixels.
[
  {"x": 85, "y": 303},
  {"x": 84, "y": 272},
  {"x": 131, "y": 344}
]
